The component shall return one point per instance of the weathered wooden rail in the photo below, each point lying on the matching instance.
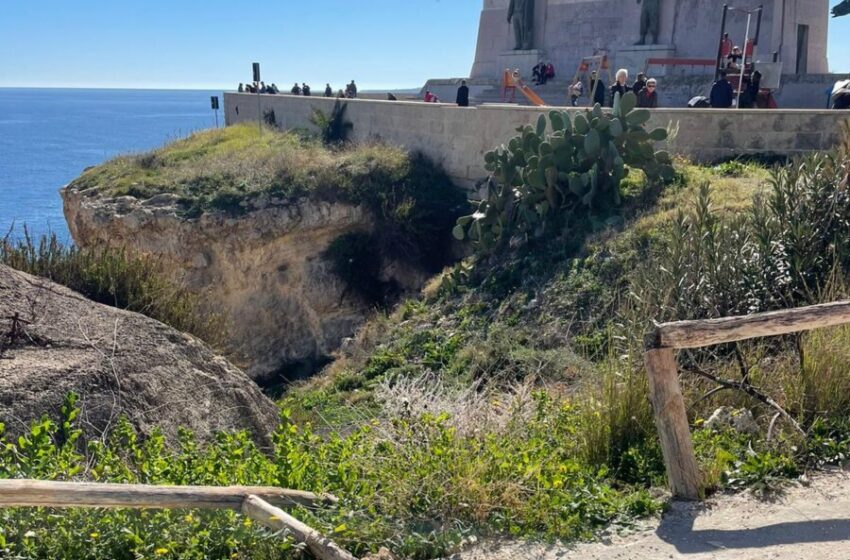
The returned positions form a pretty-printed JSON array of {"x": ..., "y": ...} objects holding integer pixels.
[
  {"x": 666, "y": 394},
  {"x": 254, "y": 502}
]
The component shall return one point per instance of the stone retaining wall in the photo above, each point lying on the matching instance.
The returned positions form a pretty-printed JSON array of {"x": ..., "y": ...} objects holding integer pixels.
[{"x": 457, "y": 138}]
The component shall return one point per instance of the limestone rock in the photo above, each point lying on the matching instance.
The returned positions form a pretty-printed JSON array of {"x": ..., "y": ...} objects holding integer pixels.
[
  {"x": 119, "y": 363},
  {"x": 739, "y": 420},
  {"x": 262, "y": 271}
]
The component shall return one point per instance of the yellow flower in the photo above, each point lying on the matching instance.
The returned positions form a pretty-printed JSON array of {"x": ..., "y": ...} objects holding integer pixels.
[
  {"x": 247, "y": 522},
  {"x": 160, "y": 551},
  {"x": 189, "y": 518},
  {"x": 94, "y": 535}
]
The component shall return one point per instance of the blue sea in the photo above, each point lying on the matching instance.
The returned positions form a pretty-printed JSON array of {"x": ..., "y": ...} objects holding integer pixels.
[{"x": 49, "y": 136}]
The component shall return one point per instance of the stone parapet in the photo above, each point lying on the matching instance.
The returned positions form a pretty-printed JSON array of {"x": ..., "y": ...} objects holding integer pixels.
[{"x": 457, "y": 138}]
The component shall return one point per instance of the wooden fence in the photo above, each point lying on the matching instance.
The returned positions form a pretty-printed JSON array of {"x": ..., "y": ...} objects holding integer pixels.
[
  {"x": 666, "y": 394},
  {"x": 254, "y": 502}
]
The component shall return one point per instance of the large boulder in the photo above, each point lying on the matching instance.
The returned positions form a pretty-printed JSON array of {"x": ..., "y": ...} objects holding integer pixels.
[{"x": 54, "y": 341}]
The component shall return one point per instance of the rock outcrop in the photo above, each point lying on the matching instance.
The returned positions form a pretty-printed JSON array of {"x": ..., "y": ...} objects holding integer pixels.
[
  {"x": 262, "y": 270},
  {"x": 54, "y": 341}
]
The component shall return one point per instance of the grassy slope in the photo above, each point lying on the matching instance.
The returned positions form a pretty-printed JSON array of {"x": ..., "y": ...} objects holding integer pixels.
[
  {"x": 545, "y": 314},
  {"x": 219, "y": 169}
]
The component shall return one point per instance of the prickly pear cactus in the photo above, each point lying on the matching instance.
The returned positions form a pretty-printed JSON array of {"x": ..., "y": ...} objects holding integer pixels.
[{"x": 562, "y": 165}]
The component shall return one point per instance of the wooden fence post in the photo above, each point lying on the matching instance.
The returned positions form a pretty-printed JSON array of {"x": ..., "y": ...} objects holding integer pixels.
[
  {"x": 672, "y": 422},
  {"x": 274, "y": 518}
]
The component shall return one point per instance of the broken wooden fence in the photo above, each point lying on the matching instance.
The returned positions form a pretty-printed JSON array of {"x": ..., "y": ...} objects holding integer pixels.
[
  {"x": 666, "y": 394},
  {"x": 254, "y": 502}
]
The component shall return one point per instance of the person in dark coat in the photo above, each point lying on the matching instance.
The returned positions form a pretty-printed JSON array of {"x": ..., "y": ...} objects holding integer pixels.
[
  {"x": 537, "y": 73},
  {"x": 639, "y": 84},
  {"x": 648, "y": 96},
  {"x": 328, "y": 91},
  {"x": 721, "y": 95},
  {"x": 620, "y": 85},
  {"x": 597, "y": 89},
  {"x": 296, "y": 89},
  {"x": 463, "y": 95},
  {"x": 305, "y": 90}
]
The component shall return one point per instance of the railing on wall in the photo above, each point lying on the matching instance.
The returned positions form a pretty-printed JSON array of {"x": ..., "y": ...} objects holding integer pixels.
[
  {"x": 666, "y": 394},
  {"x": 253, "y": 502}
]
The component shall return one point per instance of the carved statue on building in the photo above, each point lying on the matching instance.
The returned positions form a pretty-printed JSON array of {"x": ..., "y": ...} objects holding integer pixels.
[
  {"x": 521, "y": 14},
  {"x": 650, "y": 21}
]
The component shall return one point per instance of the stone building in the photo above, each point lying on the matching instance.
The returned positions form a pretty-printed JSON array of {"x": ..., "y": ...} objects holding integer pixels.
[{"x": 564, "y": 31}]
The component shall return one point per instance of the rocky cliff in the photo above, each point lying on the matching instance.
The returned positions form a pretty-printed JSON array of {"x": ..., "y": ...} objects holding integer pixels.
[
  {"x": 262, "y": 271},
  {"x": 53, "y": 341}
]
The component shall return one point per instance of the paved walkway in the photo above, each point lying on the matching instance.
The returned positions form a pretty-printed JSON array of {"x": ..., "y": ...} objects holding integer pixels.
[{"x": 811, "y": 521}]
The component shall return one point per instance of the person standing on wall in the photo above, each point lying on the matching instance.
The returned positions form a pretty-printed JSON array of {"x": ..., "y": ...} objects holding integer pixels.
[
  {"x": 329, "y": 92},
  {"x": 351, "y": 90},
  {"x": 462, "y": 95}
]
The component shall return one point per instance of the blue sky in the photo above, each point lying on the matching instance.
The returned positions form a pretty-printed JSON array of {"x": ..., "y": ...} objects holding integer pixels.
[{"x": 210, "y": 44}]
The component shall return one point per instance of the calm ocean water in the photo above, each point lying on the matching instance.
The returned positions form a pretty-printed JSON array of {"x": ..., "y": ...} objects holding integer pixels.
[{"x": 48, "y": 136}]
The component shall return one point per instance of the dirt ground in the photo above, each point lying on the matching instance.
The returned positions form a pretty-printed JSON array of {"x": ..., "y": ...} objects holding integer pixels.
[{"x": 804, "y": 521}]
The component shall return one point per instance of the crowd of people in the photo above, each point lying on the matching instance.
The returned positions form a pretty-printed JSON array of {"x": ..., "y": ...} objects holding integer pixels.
[
  {"x": 350, "y": 91},
  {"x": 542, "y": 73},
  {"x": 645, "y": 89},
  {"x": 258, "y": 87}
]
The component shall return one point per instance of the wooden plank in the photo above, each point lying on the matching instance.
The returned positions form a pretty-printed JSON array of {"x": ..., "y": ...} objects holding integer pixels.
[
  {"x": 671, "y": 420},
  {"x": 278, "y": 520},
  {"x": 696, "y": 334},
  {"x": 82, "y": 494}
]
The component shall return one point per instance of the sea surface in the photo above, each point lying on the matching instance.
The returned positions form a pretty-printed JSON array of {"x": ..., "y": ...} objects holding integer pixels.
[{"x": 49, "y": 136}]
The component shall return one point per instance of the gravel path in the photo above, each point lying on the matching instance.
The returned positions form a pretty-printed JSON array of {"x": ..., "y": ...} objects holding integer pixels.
[{"x": 805, "y": 521}]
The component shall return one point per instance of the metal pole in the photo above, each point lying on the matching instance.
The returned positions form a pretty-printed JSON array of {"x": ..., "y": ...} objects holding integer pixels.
[
  {"x": 758, "y": 29},
  {"x": 259, "y": 116},
  {"x": 743, "y": 62},
  {"x": 216, "y": 118},
  {"x": 720, "y": 44}
]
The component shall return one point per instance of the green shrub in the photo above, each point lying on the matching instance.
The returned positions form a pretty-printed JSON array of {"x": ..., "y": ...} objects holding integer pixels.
[
  {"x": 112, "y": 277},
  {"x": 333, "y": 129},
  {"x": 415, "y": 485},
  {"x": 782, "y": 252}
]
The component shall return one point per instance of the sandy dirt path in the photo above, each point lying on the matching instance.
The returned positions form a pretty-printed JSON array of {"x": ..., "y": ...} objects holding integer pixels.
[{"x": 804, "y": 522}]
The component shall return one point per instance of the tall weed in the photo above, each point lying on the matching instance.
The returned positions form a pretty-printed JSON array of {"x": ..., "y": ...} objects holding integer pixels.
[{"x": 112, "y": 277}]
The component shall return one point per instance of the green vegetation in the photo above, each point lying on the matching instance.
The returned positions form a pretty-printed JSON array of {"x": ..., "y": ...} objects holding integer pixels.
[
  {"x": 234, "y": 169},
  {"x": 112, "y": 277},
  {"x": 511, "y": 399},
  {"x": 333, "y": 129},
  {"x": 416, "y": 485},
  {"x": 563, "y": 316},
  {"x": 541, "y": 180}
]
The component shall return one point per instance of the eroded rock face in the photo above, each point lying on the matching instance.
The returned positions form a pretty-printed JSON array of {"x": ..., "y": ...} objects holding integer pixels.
[
  {"x": 262, "y": 271},
  {"x": 119, "y": 363}
]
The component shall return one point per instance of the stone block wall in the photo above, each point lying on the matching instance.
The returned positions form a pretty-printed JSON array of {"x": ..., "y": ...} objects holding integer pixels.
[{"x": 457, "y": 138}]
